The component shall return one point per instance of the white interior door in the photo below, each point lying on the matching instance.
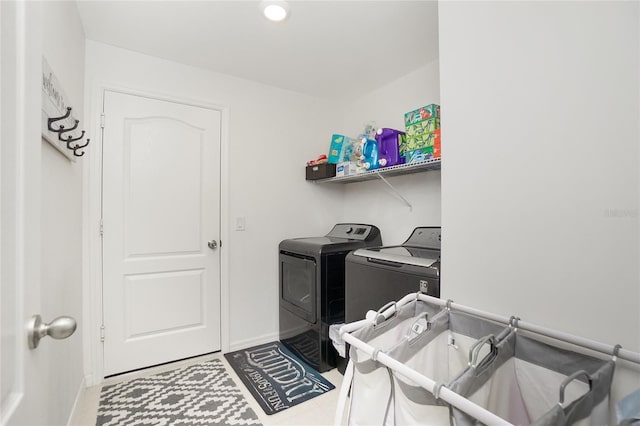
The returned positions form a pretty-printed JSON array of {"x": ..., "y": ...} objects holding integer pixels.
[
  {"x": 161, "y": 208},
  {"x": 10, "y": 372},
  {"x": 24, "y": 373}
]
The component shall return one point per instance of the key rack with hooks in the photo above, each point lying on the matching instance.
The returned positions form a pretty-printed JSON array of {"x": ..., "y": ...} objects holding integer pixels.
[{"x": 59, "y": 126}]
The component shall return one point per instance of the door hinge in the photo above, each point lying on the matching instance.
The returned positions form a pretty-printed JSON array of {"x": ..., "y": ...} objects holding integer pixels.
[
  {"x": 102, "y": 333},
  {"x": 102, "y": 120},
  {"x": 101, "y": 228}
]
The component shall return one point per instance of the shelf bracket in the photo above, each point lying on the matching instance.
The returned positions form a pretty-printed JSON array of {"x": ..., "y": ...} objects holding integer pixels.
[{"x": 395, "y": 191}]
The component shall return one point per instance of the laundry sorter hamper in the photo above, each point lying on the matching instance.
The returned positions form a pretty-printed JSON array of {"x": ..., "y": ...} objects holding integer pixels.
[
  {"x": 517, "y": 374},
  {"x": 528, "y": 382},
  {"x": 371, "y": 385},
  {"x": 437, "y": 346},
  {"x": 441, "y": 353}
]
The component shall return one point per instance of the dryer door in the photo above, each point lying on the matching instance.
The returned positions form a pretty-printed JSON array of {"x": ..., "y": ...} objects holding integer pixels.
[{"x": 298, "y": 285}]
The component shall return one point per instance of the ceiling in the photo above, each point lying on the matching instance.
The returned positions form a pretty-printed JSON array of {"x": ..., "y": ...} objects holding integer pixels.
[{"x": 334, "y": 49}]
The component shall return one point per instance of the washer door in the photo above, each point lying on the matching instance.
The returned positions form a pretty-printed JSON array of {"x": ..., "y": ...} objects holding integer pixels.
[{"x": 298, "y": 285}]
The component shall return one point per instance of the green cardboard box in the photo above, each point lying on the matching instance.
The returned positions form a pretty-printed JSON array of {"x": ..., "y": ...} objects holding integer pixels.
[
  {"x": 425, "y": 126},
  {"x": 418, "y": 155},
  {"x": 421, "y": 114},
  {"x": 422, "y": 141}
]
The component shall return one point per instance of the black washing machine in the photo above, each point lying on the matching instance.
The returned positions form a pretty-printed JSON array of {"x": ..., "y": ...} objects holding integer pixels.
[
  {"x": 378, "y": 275},
  {"x": 312, "y": 289}
]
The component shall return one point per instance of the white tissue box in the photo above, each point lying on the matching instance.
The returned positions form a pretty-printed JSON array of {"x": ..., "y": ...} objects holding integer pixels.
[{"x": 347, "y": 168}]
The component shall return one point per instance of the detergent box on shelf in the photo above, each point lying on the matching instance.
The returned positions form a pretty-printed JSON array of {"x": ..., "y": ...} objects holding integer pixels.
[
  {"x": 422, "y": 154},
  {"x": 419, "y": 155},
  {"x": 423, "y": 140},
  {"x": 423, "y": 134},
  {"x": 426, "y": 126},
  {"x": 340, "y": 148},
  {"x": 421, "y": 114},
  {"x": 422, "y": 148}
]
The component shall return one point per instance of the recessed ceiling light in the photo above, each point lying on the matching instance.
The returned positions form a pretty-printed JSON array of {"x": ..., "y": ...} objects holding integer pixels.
[{"x": 275, "y": 10}]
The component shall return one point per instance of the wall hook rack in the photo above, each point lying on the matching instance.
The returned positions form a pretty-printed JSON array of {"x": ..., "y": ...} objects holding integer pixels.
[
  {"x": 52, "y": 120},
  {"x": 58, "y": 121},
  {"x": 77, "y": 147},
  {"x": 69, "y": 139},
  {"x": 62, "y": 129}
]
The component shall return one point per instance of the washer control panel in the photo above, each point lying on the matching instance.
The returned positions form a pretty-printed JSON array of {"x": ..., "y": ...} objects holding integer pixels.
[{"x": 353, "y": 231}]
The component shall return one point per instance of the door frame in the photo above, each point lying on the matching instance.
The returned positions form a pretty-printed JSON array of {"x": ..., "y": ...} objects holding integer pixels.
[{"x": 92, "y": 213}]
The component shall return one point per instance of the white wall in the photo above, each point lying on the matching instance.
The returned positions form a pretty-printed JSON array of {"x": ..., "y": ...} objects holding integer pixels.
[
  {"x": 540, "y": 182},
  {"x": 271, "y": 133},
  {"x": 61, "y": 220},
  {"x": 372, "y": 201}
]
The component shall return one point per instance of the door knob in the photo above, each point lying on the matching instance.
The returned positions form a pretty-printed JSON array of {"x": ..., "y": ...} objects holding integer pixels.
[
  {"x": 59, "y": 328},
  {"x": 213, "y": 244}
]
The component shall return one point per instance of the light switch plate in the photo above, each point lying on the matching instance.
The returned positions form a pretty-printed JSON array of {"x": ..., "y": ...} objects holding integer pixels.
[{"x": 240, "y": 223}]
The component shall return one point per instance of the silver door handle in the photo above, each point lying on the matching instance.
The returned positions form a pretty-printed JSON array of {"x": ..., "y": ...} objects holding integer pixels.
[
  {"x": 213, "y": 244},
  {"x": 59, "y": 328}
]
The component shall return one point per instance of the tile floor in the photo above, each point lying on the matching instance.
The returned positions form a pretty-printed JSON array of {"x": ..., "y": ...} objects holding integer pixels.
[{"x": 314, "y": 412}]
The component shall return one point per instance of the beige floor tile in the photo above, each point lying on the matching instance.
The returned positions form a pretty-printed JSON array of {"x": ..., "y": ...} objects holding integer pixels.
[
  {"x": 87, "y": 408},
  {"x": 307, "y": 415}
]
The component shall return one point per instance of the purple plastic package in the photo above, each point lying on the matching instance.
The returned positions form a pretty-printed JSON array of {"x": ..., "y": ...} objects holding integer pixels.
[{"x": 389, "y": 141}]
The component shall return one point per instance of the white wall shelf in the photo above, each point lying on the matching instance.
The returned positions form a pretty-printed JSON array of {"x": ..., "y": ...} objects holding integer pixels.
[{"x": 401, "y": 169}]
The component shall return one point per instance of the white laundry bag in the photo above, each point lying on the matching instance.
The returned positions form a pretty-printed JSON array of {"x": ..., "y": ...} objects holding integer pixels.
[
  {"x": 628, "y": 409},
  {"x": 436, "y": 346},
  {"x": 527, "y": 382},
  {"x": 442, "y": 354},
  {"x": 371, "y": 398}
]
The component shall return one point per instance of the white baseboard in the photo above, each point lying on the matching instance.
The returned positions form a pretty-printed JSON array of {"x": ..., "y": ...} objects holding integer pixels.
[
  {"x": 247, "y": 343},
  {"x": 76, "y": 404},
  {"x": 91, "y": 380}
]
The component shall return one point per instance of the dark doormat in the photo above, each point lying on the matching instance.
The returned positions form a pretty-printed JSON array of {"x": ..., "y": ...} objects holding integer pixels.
[
  {"x": 276, "y": 378},
  {"x": 202, "y": 394}
]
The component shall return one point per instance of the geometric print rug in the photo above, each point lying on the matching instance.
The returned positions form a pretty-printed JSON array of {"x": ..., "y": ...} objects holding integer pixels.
[{"x": 201, "y": 394}]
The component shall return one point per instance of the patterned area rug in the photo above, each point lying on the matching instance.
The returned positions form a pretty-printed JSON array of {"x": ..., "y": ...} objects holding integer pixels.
[
  {"x": 276, "y": 378},
  {"x": 202, "y": 394}
]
